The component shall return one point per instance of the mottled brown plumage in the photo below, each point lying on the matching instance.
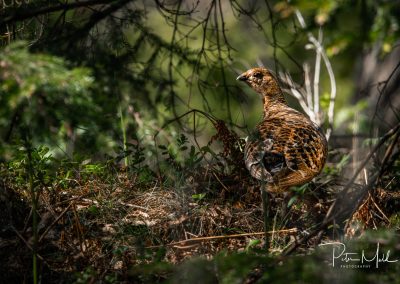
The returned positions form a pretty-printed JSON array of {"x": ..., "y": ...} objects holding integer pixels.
[{"x": 286, "y": 148}]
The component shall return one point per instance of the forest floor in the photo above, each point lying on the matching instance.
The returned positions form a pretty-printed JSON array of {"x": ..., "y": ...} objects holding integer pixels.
[{"x": 100, "y": 223}]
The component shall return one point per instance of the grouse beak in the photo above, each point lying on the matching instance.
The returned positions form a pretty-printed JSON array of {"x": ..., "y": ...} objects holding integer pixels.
[{"x": 242, "y": 77}]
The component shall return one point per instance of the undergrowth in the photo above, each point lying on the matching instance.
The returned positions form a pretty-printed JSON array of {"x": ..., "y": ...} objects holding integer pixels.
[{"x": 195, "y": 217}]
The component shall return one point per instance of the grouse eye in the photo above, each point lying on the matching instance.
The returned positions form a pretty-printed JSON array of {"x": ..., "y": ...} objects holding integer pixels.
[{"x": 258, "y": 75}]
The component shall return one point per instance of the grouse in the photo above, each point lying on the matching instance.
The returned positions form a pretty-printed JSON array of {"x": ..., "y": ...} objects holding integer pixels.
[{"x": 286, "y": 148}]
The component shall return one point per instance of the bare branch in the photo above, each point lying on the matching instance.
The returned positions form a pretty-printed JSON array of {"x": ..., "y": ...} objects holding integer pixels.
[
  {"x": 307, "y": 83},
  {"x": 28, "y": 12},
  {"x": 332, "y": 98},
  {"x": 320, "y": 54},
  {"x": 178, "y": 11},
  {"x": 317, "y": 74},
  {"x": 294, "y": 89}
]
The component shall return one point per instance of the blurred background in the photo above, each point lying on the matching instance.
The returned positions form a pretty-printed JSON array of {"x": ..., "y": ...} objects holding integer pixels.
[{"x": 89, "y": 78}]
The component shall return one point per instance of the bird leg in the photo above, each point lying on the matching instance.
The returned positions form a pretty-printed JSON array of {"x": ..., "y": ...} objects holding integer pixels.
[
  {"x": 264, "y": 197},
  {"x": 287, "y": 195}
]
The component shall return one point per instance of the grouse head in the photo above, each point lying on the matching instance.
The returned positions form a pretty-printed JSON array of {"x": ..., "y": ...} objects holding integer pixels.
[{"x": 263, "y": 82}]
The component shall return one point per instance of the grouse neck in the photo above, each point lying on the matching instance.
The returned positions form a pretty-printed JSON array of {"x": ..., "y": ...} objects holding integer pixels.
[{"x": 273, "y": 103}]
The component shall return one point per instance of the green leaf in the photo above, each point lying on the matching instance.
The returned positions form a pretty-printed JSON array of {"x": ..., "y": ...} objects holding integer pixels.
[
  {"x": 199, "y": 196},
  {"x": 291, "y": 201},
  {"x": 252, "y": 243}
]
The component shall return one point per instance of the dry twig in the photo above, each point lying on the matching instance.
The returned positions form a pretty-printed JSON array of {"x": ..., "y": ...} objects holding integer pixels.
[{"x": 211, "y": 238}]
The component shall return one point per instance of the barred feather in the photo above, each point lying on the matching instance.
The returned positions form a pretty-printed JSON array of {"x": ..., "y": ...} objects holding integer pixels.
[{"x": 286, "y": 148}]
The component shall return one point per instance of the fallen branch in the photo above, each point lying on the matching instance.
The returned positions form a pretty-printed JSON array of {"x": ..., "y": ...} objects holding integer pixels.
[{"x": 211, "y": 238}]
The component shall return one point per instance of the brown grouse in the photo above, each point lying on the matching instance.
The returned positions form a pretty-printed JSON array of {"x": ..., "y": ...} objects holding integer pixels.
[{"x": 286, "y": 148}]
